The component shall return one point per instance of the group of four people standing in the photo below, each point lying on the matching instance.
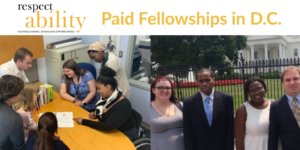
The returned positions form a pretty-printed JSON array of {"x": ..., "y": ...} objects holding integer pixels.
[{"x": 206, "y": 120}]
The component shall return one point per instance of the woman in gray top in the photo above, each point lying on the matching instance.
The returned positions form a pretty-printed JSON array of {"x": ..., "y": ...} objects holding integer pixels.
[
  {"x": 11, "y": 123},
  {"x": 166, "y": 117}
]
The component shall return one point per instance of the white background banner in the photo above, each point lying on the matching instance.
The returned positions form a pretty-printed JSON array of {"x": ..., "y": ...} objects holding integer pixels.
[{"x": 150, "y": 17}]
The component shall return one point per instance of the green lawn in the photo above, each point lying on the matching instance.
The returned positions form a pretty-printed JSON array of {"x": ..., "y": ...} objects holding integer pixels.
[{"x": 237, "y": 91}]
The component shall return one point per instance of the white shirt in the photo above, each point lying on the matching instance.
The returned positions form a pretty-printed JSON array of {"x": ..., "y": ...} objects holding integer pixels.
[
  {"x": 10, "y": 68},
  {"x": 114, "y": 63},
  {"x": 1, "y": 73}
]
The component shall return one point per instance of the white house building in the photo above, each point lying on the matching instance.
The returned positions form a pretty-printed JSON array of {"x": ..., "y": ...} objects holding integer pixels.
[{"x": 266, "y": 47}]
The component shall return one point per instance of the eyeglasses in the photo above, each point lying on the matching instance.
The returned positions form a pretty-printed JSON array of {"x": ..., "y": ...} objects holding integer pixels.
[
  {"x": 161, "y": 88},
  {"x": 257, "y": 90}
]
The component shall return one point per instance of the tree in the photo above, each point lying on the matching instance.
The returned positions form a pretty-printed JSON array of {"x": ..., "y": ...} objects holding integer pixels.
[{"x": 204, "y": 51}]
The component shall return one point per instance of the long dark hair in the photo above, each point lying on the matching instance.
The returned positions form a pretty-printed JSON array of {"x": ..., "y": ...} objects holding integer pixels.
[
  {"x": 10, "y": 86},
  {"x": 160, "y": 78},
  {"x": 71, "y": 64},
  {"x": 251, "y": 80},
  {"x": 107, "y": 77},
  {"x": 47, "y": 126}
]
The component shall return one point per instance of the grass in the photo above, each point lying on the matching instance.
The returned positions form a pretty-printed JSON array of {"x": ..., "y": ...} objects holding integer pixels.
[{"x": 274, "y": 91}]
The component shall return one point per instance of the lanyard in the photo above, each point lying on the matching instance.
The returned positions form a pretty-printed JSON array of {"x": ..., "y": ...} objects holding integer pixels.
[{"x": 76, "y": 87}]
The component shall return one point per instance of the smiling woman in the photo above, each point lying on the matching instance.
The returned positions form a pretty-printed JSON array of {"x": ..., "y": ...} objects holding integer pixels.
[
  {"x": 252, "y": 118},
  {"x": 166, "y": 116},
  {"x": 78, "y": 86}
]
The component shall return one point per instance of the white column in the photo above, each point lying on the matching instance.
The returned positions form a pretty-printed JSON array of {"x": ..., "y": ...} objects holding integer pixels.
[
  {"x": 266, "y": 52},
  {"x": 284, "y": 52},
  {"x": 252, "y": 53},
  {"x": 280, "y": 51}
]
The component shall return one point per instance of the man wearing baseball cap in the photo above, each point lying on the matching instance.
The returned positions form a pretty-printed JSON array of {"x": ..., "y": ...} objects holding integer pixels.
[{"x": 97, "y": 53}]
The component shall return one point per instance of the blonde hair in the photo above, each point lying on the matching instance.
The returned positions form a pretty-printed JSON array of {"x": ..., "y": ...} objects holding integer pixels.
[
  {"x": 289, "y": 68},
  {"x": 27, "y": 97}
]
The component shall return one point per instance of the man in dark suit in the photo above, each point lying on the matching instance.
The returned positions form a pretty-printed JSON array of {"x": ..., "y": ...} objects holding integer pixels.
[
  {"x": 284, "y": 124},
  {"x": 208, "y": 117}
]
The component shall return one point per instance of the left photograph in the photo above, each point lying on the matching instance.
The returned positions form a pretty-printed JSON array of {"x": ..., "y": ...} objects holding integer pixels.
[{"x": 75, "y": 92}]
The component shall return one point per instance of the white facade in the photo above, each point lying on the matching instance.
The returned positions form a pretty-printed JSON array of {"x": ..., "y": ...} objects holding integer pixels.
[{"x": 271, "y": 47}]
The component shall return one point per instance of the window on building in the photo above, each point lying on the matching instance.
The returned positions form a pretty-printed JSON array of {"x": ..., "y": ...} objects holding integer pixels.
[
  {"x": 255, "y": 55},
  {"x": 295, "y": 52},
  {"x": 141, "y": 59}
]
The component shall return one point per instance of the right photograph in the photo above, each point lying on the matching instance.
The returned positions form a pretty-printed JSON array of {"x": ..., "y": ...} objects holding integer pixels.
[{"x": 233, "y": 92}]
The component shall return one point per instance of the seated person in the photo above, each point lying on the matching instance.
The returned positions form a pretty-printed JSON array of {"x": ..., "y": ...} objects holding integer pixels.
[
  {"x": 11, "y": 124},
  {"x": 46, "y": 139},
  {"x": 113, "y": 110},
  {"x": 26, "y": 107},
  {"x": 78, "y": 86}
]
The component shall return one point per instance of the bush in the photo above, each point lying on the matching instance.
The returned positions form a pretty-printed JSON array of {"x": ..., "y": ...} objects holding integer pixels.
[{"x": 184, "y": 84}]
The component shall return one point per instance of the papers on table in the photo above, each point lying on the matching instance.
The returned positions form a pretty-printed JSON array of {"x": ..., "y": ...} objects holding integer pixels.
[{"x": 64, "y": 119}]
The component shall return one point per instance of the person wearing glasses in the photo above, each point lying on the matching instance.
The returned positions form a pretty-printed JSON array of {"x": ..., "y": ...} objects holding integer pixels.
[
  {"x": 252, "y": 118},
  {"x": 16, "y": 66},
  {"x": 97, "y": 53},
  {"x": 78, "y": 86},
  {"x": 166, "y": 116},
  {"x": 208, "y": 116}
]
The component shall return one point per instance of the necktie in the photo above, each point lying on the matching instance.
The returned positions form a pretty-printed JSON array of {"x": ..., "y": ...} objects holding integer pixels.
[
  {"x": 208, "y": 109},
  {"x": 296, "y": 110}
]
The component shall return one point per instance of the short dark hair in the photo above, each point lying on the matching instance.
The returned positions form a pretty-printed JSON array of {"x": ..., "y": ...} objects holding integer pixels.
[
  {"x": 157, "y": 79},
  {"x": 107, "y": 77},
  {"x": 212, "y": 73},
  {"x": 10, "y": 86},
  {"x": 251, "y": 80},
  {"x": 21, "y": 53}
]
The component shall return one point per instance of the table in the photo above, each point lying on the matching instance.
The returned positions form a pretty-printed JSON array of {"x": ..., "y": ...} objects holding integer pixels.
[{"x": 82, "y": 137}]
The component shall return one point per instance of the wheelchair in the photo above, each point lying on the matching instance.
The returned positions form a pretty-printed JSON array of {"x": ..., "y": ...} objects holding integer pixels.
[{"x": 143, "y": 140}]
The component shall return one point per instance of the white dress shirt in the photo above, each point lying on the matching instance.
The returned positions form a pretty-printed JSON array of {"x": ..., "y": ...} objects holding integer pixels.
[{"x": 10, "y": 68}]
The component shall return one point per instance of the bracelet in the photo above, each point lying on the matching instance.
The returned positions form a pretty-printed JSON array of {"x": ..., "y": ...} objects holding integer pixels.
[{"x": 84, "y": 103}]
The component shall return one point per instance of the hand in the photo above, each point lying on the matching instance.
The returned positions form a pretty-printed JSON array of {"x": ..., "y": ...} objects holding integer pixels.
[
  {"x": 78, "y": 120},
  {"x": 92, "y": 115},
  {"x": 78, "y": 103}
]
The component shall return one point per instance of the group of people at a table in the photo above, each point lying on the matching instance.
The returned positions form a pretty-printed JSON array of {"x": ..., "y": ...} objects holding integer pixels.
[
  {"x": 104, "y": 97},
  {"x": 206, "y": 120}
]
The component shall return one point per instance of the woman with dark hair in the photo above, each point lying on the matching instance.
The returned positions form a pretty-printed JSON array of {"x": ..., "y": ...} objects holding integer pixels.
[
  {"x": 252, "y": 118},
  {"x": 11, "y": 124},
  {"x": 113, "y": 109},
  {"x": 166, "y": 116},
  {"x": 78, "y": 86},
  {"x": 46, "y": 139}
]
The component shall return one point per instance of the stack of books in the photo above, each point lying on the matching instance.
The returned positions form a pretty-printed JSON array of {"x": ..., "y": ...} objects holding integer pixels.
[{"x": 45, "y": 95}]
